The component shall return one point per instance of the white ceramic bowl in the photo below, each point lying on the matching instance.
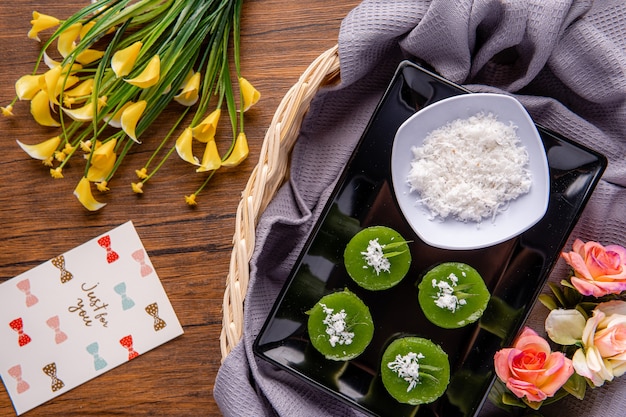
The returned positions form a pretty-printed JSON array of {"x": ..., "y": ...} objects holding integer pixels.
[{"x": 521, "y": 214}]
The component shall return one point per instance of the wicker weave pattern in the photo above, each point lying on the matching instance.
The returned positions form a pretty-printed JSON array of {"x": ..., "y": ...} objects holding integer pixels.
[{"x": 269, "y": 173}]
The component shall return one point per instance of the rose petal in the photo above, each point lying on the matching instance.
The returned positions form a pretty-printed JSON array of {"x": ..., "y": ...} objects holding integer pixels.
[
  {"x": 577, "y": 262},
  {"x": 587, "y": 287},
  {"x": 501, "y": 364},
  {"x": 559, "y": 369},
  {"x": 565, "y": 327},
  {"x": 580, "y": 364},
  {"x": 602, "y": 262},
  {"x": 610, "y": 308},
  {"x": 620, "y": 250},
  {"x": 524, "y": 389},
  {"x": 610, "y": 341},
  {"x": 619, "y": 368}
]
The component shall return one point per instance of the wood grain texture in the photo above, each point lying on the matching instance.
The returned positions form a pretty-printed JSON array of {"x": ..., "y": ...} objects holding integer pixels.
[{"x": 189, "y": 247}]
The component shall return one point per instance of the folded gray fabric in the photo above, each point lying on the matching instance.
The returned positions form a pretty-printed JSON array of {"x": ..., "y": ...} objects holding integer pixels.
[{"x": 565, "y": 60}]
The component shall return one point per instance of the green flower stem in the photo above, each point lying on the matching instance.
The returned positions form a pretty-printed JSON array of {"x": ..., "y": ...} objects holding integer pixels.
[
  {"x": 236, "y": 47},
  {"x": 188, "y": 36},
  {"x": 204, "y": 184},
  {"x": 163, "y": 142}
]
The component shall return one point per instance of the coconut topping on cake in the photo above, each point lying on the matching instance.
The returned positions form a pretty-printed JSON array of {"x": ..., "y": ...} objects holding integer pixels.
[
  {"x": 336, "y": 327},
  {"x": 445, "y": 294},
  {"x": 407, "y": 367},
  {"x": 375, "y": 258}
]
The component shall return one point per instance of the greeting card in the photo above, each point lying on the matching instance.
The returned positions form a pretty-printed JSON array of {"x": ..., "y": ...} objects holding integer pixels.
[{"x": 80, "y": 314}]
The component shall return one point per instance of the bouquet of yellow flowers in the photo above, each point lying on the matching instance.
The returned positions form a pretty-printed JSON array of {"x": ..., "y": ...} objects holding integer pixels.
[
  {"x": 587, "y": 322},
  {"x": 114, "y": 66}
]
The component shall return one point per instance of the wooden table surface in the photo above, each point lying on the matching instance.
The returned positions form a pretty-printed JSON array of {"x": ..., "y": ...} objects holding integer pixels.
[{"x": 189, "y": 247}]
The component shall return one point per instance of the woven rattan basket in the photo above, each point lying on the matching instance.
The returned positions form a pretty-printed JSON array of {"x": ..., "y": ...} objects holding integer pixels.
[{"x": 269, "y": 173}]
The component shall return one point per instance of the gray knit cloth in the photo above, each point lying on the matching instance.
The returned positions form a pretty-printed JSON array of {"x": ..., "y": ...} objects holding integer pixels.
[{"x": 565, "y": 60}]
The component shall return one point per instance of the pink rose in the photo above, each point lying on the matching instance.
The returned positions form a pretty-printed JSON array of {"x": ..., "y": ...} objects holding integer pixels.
[
  {"x": 598, "y": 270},
  {"x": 530, "y": 369},
  {"x": 603, "y": 355}
]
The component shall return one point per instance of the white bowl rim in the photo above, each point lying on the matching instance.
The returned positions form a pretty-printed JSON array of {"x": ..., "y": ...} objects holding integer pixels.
[{"x": 522, "y": 213}]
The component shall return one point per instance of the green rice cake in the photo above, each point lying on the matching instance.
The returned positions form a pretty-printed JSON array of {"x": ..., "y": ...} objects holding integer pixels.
[
  {"x": 340, "y": 326},
  {"x": 377, "y": 258},
  {"x": 415, "y": 370},
  {"x": 453, "y": 295}
]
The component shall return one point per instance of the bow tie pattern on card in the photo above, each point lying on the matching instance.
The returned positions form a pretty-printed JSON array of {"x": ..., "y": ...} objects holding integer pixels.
[
  {"x": 54, "y": 323},
  {"x": 153, "y": 310},
  {"x": 127, "y": 302},
  {"x": 82, "y": 314},
  {"x": 105, "y": 242},
  {"x": 18, "y": 325},
  {"x": 16, "y": 373},
  {"x": 127, "y": 342},
  {"x": 51, "y": 370},
  {"x": 59, "y": 263},
  {"x": 24, "y": 286},
  {"x": 140, "y": 256},
  {"x": 98, "y": 362}
]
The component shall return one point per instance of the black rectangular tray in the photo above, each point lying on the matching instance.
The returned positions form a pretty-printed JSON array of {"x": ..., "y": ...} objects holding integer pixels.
[{"x": 514, "y": 271}]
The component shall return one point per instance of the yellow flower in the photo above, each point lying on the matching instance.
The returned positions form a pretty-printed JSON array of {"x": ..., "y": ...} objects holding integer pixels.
[
  {"x": 191, "y": 200},
  {"x": 102, "y": 161},
  {"x": 88, "y": 56},
  {"x": 150, "y": 74},
  {"x": 68, "y": 149},
  {"x": 239, "y": 153},
  {"x": 66, "y": 40},
  {"x": 130, "y": 118},
  {"x": 40, "y": 23},
  {"x": 56, "y": 173},
  {"x": 40, "y": 109},
  {"x": 50, "y": 82},
  {"x": 68, "y": 93},
  {"x": 116, "y": 119},
  {"x": 54, "y": 81},
  {"x": 205, "y": 131},
  {"x": 137, "y": 187},
  {"x": 102, "y": 186},
  {"x": 85, "y": 146},
  {"x": 51, "y": 63},
  {"x": 81, "y": 90},
  {"x": 250, "y": 94},
  {"x": 87, "y": 112},
  {"x": 189, "y": 94},
  {"x": 184, "y": 147},
  {"x": 86, "y": 28},
  {"x": 142, "y": 173},
  {"x": 123, "y": 60},
  {"x": 83, "y": 193},
  {"x": 43, "y": 150},
  {"x": 60, "y": 156},
  {"x": 7, "y": 111},
  {"x": 27, "y": 86},
  {"x": 211, "y": 159}
]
